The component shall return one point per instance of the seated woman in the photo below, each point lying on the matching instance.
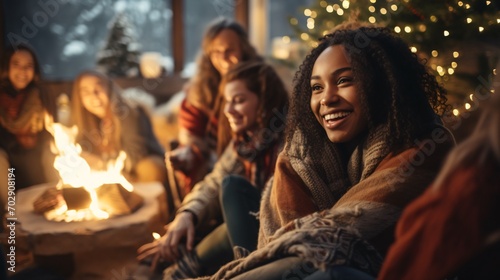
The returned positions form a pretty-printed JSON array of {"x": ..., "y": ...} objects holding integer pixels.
[
  {"x": 225, "y": 43},
  {"x": 452, "y": 231},
  {"x": 24, "y": 143},
  {"x": 108, "y": 124},
  {"x": 254, "y": 99},
  {"x": 362, "y": 142}
]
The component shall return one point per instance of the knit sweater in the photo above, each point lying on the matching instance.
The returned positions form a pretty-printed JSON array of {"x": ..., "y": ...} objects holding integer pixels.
[{"x": 345, "y": 215}]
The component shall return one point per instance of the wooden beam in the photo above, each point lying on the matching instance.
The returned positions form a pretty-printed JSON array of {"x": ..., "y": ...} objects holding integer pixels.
[
  {"x": 2, "y": 27},
  {"x": 241, "y": 13},
  {"x": 178, "y": 34}
]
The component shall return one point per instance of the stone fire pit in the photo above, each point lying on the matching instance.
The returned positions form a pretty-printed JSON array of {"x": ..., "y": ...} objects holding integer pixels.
[{"x": 45, "y": 237}]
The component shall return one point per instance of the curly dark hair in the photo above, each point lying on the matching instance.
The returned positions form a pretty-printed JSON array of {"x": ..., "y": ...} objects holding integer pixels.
[{"x": 395, "y": 87}]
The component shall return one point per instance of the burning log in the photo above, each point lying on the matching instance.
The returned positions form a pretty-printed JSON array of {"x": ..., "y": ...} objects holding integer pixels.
[
  {"x": 116, "y": 200},
  {"x": 112, "y": 198}
]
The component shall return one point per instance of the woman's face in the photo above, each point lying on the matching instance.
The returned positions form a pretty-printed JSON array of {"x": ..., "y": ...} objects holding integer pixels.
[
  {"x": 94, "y": 94},
  {"x": 21, "y": 69},
  {"x": 334, "y": 99},
  {"x": 241, "y": 106},
  {"x": 225, "y": 50}
]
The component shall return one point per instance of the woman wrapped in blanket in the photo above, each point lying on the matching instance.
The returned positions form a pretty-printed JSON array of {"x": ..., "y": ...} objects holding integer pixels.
[
  {"x": 364, "y": 138},
  {"x": 254, "y": 106}
]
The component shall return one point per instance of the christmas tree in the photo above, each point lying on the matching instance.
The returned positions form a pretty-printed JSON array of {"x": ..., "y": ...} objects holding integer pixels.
[
  {"x": 120, "y": 56},
  {"x": 460, "y": 39}
]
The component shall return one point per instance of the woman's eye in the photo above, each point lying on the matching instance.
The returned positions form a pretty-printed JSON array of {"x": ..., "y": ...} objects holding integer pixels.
[
  {"x": 344, "y": 80},
  {"x": 315, "y": 87}
]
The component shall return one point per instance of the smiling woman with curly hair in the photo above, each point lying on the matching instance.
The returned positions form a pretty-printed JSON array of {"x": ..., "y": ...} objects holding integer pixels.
[{"x": 364, "y": 138}]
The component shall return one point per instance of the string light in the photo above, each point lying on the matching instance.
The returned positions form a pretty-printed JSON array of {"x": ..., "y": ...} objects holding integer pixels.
[
  {"x": 433, "y": 18},
  {"x": 481, "y": 29},
  {"x": 435, "y": 53},
  {"x": 451, "y": 71},
  {"x": 373, "y": 1},
  {"x": 407, "y": 29},
  {"x": 495, "y": 71},
  {"x": 456, "y": 54},
  {"x": 460, "y": 3},
  {"x": 454, "y": 64},
  {"x": 383, "y": 11},
  {"x": 371, "y": 9},
  {"x": 488, "y": 3},
  {"x": 340, "y": 12},
  {"x": 314, "y": 14},
  {"x": 467, "y": 106},
  {"x": 394, "y": 7},
  {"x": 422, "y": 28},
  {"x": 304, "y": 36},
  {"x": 294, "y": 21},
  {"x": 329, "y": 9},
  {"x": 413, "y": 49},
  {"x": 440, "y": 70},
  {"x": 471, "y": 97},
  {"x": 446, "y": 33},
  {"x": 397, "y": 29},
  {"x": 345, "y": 4},
  {"x": 307, "y": 12},
  {"x": 372, "y": 19},
  {"x": 310, "y": 23},
  {"x": 498, "y": 20},
  {"x": 469, "y": 20},
  {"x": 456, "y": 112},
  {"x": 467, "y": 6},
  {"x": 336, "y": 7},
  {"x": 323, "y": 4},
  {"x": 285, "y": 39}
]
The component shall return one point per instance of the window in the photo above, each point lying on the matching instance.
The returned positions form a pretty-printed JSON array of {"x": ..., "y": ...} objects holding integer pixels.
[{"x": 68, "y": 34}]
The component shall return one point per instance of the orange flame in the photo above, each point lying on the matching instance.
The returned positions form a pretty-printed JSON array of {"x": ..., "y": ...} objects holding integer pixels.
[{"x": 74, "y": 171}]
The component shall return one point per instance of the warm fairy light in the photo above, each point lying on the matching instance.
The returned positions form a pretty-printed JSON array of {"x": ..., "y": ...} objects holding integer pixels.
[
  {"x": 329, "y": 8},
  {"x": 373, "y": 1},
  {"x": 340, "y": 12},
  {"x": 494, "y": 71},
  {"x": 471, "y": 97},
  {"x": 439, "y": 69},
  {"x": 336, "y": 7},
  {"x": 469, "y": 20},
  {"x": 413, "y": 49},
  {"x": 325, "y": 32},
  {"x": 460, "y": 3},
  {"x": 422, "y": 28},
  {"x": 451, "y": 71},
  {"x": 372, "y": 19},
  {"x": 481, "y": 29},
  {"x": 446, "y": 33},
  {"x": 304, "y": 36},
  {"x": 467, "y": 106},
  {"x": 310, "y": 25},
  {"x": 467, "y": 6},
  {"x": 433, "y": 66},
  {"x": 294, "y": 21},
  {"x": 456, "y": 112},
  {"x": 454, "y": 64},
  {"x": 314, "y": 14},
  {"x": 345, "y": 4},
  {"x": 383, "y": 11},
  {"x": 307, "y": 12},
  {"x": 456, "y": 54},
  {"x": 285, "y": 39},
  {"x": 433, "y": 18},
  {"x": 488, "y": 3},
  {"x": 156, "y": 235},
  {"x": 407, "y": 29},
  {"x": 450, "y": 8},
  {"x": 397, "y": 29},
  {"x": 498, "y": 20},
  {"x": 394, "y": 7},
  {"x": 323, "y": 3},
  {"x": 434, "y": 53},
  {"x": 371, "y": 9}
]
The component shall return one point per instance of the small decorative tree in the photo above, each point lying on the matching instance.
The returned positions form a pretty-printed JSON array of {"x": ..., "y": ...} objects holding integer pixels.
[{"x": 120, "y": 56}]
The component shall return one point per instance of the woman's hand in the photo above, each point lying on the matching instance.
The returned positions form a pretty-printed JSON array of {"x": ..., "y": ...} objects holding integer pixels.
[
  {"x": 182, "y": 226},
  {"x": 181, "y": 159}
]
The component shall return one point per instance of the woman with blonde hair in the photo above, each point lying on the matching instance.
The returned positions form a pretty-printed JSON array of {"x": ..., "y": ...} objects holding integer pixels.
[{"x": 108, "y": 124}]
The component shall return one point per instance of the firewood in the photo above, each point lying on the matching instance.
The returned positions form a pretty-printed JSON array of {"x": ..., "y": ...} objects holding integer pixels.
[
  {"x": 49, "y": 200},
  {"x": 116, "y": 200},
  {"x": 76, "y": 198}
]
